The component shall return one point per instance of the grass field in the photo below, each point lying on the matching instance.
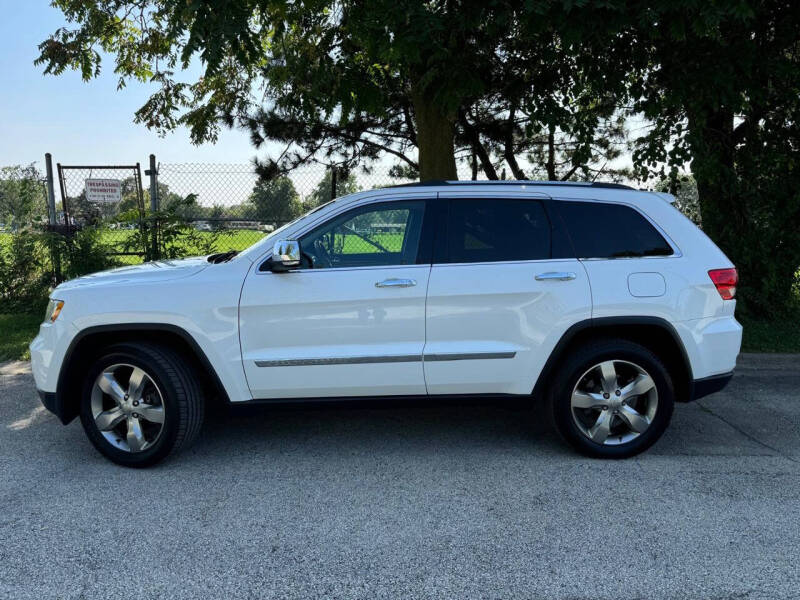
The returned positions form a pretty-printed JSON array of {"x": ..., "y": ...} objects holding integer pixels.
[
  {"x": 16, "y": 332},
  {"x": 234, "y": 239}
]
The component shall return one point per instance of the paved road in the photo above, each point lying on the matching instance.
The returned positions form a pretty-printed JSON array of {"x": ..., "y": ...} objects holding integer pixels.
[{"x": 430, "y": 501}]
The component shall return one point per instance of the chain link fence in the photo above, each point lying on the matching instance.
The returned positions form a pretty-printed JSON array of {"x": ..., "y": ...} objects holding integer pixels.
[
  {"x": 183, "y": 209},
  {"x": 231, "y": 201},
  {"x": 107, "y": 198}
]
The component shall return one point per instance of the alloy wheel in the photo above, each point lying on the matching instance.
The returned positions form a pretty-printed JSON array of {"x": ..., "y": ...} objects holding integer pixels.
[
  {"x": 614, "y": 402},
  {"x": 127, "y": 407}
]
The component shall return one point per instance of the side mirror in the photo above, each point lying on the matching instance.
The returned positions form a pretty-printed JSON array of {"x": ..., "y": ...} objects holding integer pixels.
[{"x": 285, "y": 255}]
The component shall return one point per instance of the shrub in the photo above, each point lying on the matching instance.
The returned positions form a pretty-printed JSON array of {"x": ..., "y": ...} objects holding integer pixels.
[{"x": 25, "y": 273}]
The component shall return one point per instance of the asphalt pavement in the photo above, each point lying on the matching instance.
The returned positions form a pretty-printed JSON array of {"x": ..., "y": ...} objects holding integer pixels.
[{"x": 434, "y": 500}]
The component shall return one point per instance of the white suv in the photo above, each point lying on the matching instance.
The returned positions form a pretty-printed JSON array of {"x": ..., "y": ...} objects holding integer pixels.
[{"x": 600, "y": 300}]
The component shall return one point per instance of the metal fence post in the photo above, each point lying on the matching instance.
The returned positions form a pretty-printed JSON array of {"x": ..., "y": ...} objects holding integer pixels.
[
  {"x": 153, "y": 173},
  {"x": 51, "y": 191},
  {"x": 55, "y": 257},
  {"x": 333, "y": 183}
]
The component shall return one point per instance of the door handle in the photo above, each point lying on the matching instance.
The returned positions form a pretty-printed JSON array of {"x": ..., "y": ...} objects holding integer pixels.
[
  {"x": 396, "y": 283},
  {"x": 555, "y": 275}
]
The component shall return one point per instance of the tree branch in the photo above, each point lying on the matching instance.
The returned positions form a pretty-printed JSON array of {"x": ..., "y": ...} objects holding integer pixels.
[{"x": 477, "y": 146}]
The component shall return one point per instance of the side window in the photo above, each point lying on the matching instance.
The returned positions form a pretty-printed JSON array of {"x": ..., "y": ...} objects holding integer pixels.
[
  {"x": 601, "y": 230},
  {"x": 381, "y": 234},
  {"x": 497, "y": 229}
]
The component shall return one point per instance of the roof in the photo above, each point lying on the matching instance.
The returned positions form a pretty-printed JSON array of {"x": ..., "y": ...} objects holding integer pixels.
[{"x": 517, "y": 182}]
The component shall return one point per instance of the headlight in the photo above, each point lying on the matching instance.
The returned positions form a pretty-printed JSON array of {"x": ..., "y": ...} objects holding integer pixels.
[{"x": 53, "y": 310}]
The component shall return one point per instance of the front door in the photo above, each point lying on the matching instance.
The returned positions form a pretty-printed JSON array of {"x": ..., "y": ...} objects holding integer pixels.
[
  {"x": 502, "y": 291},
  {"x": 351, "y": 320}
]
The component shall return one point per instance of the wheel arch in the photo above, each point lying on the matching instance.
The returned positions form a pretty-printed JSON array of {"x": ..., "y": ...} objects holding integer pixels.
[
  {"x": 656, "y": 334},
  {"x": 89, "y": 343}
]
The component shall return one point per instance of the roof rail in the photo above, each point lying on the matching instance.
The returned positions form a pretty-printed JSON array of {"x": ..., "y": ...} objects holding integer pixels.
[{"x": 442, "y": 182}]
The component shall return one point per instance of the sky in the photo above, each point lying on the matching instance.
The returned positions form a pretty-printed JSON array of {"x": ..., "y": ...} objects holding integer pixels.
[{"x": 78, "y": 122}]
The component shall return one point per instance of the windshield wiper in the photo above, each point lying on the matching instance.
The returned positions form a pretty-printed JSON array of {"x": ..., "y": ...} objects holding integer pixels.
[{"x": 221, "y": 257}]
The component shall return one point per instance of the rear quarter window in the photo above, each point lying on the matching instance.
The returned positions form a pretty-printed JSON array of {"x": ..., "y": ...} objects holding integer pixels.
[{"x": 604, "y": 230}]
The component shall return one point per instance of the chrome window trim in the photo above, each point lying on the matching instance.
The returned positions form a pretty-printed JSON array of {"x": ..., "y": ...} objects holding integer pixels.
[{"x": 343, "y": 269}]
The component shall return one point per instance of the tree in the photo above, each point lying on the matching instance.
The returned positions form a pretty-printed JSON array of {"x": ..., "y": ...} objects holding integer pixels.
[
  {"x": 276, "y": 200},
  {"x": 345, "y": 184},
  {"x": 721, "y": 83},
  {"x": 351, "y": 81},
  {"x": 684, "y": 188},
  {"x": 21, "y": 195}
]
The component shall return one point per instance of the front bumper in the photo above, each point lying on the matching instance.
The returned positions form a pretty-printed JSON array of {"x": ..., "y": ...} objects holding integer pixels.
[
  {"x": 55, "y": 404},
  {"x": 48, "y": 400}
]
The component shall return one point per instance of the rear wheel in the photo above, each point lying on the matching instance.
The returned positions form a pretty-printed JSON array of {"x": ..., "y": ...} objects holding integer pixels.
[
  {"x": 612, "y": 399},
  {"x": 140, "y": 403}
]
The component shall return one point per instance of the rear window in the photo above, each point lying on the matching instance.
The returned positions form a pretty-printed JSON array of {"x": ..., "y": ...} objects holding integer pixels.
[
  {"x": 600, "y": 230},
  {"x": 497, "y": 229}
]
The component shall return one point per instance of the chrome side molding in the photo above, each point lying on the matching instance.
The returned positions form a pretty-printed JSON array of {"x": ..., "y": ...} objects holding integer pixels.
[{"x": 396, "y": 358}]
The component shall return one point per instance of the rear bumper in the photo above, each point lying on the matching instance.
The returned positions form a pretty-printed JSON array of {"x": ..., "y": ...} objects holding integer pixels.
[{"x": 708, "y": 385}]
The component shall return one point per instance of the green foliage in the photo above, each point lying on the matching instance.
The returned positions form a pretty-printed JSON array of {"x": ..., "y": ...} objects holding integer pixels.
[
  {"x": 18, "y": 329},
  {"x": 345, "y": 184},
  {"x": 276, "y": 200},
  {"x": 718, "y": 82},
  {"x": 27, "y": 271},
  {"x": 352, "y": 81},
  {"x": 771, "y": 335},
  {"x": 21, "y": 196},
  {"x": 684, "y": 188},
  {"x": 82, "y": 252},
  {"x": 25, "y": 276},
  {"x": 175, "y": 235},
  {"x": 722, "y": 84}
]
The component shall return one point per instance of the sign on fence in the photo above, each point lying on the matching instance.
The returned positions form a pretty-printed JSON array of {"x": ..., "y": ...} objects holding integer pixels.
[{"x": 103, "y": 191}]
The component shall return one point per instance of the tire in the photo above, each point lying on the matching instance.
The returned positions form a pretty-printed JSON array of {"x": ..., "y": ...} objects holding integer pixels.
[
  {"x": 166, "y": 417},
  {"x": 627, "y": 423}
]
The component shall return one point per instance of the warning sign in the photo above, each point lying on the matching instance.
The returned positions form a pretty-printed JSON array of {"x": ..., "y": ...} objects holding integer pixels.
[{"x": 103, "y": 190}]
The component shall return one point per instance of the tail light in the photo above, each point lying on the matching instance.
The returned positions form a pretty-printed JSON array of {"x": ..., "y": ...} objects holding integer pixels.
[{"x": 725, "y": 281}]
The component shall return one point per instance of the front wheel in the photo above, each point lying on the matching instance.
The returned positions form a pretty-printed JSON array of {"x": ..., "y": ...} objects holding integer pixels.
[
  {"x": 612, "y": 399},
  {"x": 141, "y": 402}
]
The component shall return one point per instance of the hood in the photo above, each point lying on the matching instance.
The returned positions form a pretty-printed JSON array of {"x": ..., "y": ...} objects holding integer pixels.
[{"x": 151, "y": 272}]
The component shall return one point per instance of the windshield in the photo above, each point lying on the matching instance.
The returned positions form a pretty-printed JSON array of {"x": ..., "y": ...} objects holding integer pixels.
[{"x": 265, "y": 242}]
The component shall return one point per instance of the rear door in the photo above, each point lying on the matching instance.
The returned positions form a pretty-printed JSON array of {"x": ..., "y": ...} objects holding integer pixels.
[{"x": 503, "y": 288}]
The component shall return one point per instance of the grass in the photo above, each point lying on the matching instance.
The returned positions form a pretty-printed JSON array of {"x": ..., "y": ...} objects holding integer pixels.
[
  {"x": 771, "y": 336},
  {"x": 16, "y": 332},
  {"x": 232, "y": 239}
]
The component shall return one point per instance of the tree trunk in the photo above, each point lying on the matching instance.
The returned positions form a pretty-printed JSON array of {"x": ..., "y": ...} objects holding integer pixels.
[
  {"x": 551, "y": 154},
  {"x": 712, "y": 147},
  {"x": 435, "y": 133}
]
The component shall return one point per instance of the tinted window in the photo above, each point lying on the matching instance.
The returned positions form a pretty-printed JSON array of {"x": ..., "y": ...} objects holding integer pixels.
[
  {"x": 373, "y": 235},
  {"x": 496, "y": 229},
  {"x": 600, "y": 230}
]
